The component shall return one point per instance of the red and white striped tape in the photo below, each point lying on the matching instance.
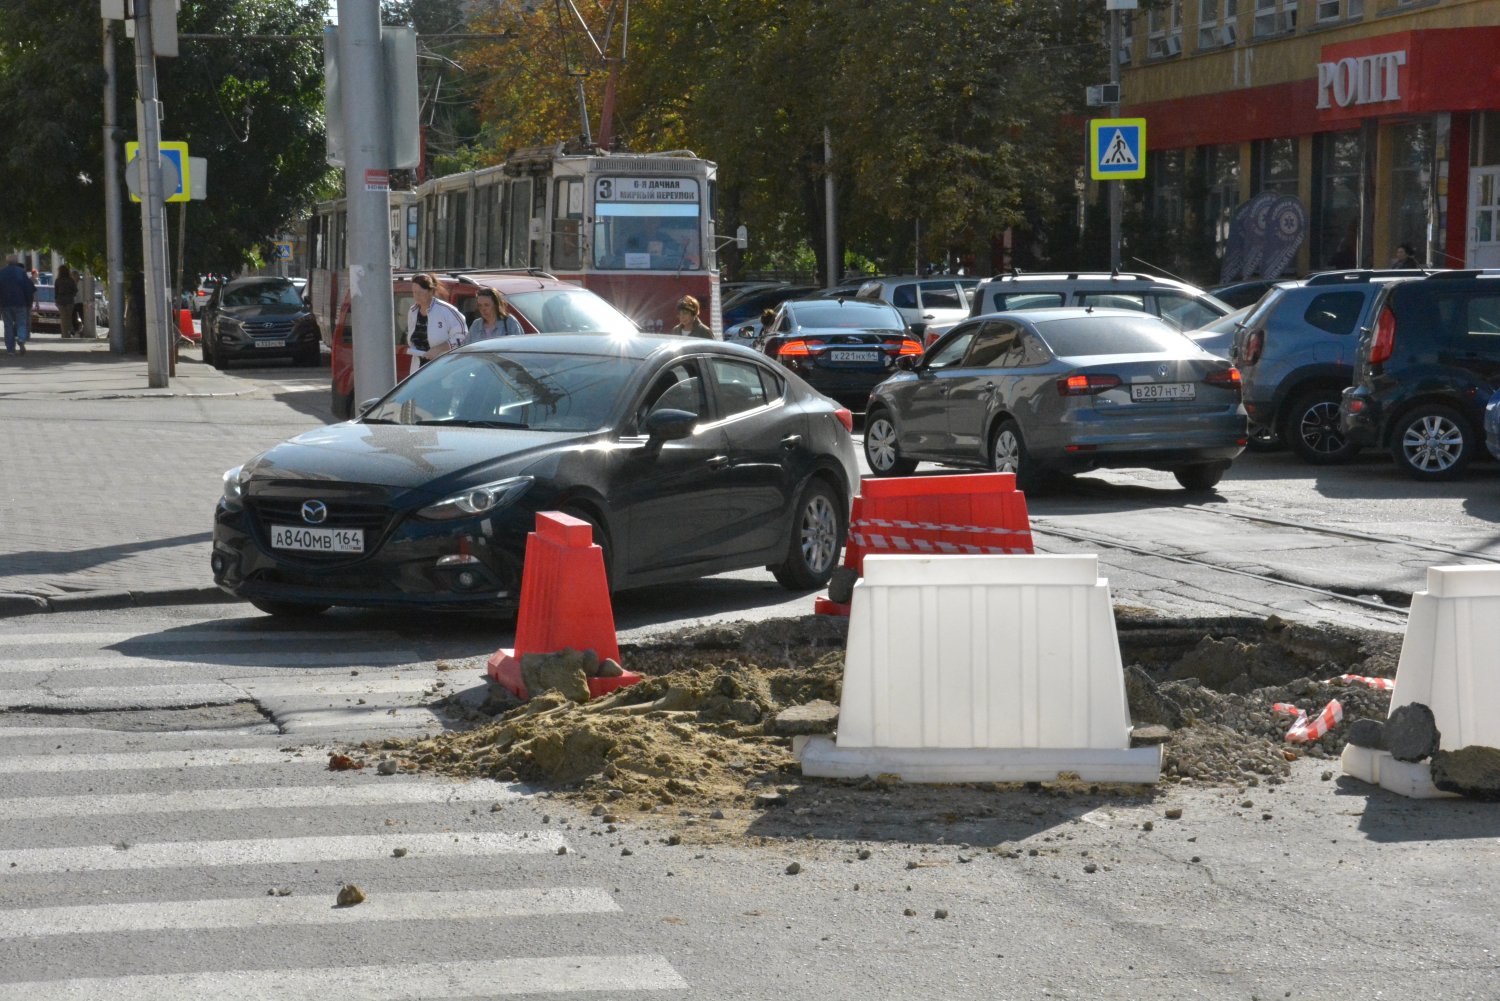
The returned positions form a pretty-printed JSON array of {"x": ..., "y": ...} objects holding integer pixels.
[
  {"x": 1381, "y": 684},
  {"x": 1305, "y": 728},
  {"x": 902, "y": 544},
  {"x": 928, "y": 526}
]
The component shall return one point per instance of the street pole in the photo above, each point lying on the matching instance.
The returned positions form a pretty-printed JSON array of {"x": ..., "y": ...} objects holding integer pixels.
[
  {"x": 153, "y": 232},
  {"x": 114, "y": 240},
  {"x": 1113, "y": 187},
  {"x": 367, "y": 197},
  {"x": 830, "y": 221}
]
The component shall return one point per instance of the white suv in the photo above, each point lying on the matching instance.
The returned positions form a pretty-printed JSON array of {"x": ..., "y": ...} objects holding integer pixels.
[
  {"x": 937, "y": 300},
  {"x": 1185, "y": 306}
]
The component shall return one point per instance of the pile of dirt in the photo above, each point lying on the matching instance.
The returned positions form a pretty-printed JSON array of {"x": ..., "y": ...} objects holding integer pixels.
[{"x": 696, "y": 732}]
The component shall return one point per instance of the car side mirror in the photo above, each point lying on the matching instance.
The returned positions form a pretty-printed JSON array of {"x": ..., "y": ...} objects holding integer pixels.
[
  {"x": 669, "y": 425},
  {"x": 907, "y": 363}
]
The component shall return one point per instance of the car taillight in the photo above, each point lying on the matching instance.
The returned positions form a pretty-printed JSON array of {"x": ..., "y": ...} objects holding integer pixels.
[
  {"x": 1086, "y": 385},
  {"x": 846, "y": 418},
  {"x": 1253, "y": 345},
  {"x": 910, "y": 347},
  {"x": 1228, "y": 377},
  {"x": 793, "y": 349},
  {"x": 1385, "y": 337}
]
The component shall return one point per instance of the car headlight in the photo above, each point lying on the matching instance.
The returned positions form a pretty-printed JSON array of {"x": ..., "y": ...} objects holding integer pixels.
[
  {"x": 478, "y": 500},
  {"x": 234, "y": 488}
]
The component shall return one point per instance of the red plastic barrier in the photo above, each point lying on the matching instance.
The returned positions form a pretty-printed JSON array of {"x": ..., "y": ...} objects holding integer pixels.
[
  {"x": 564, "y": 603},
  {"x": 972, "y": 513},
  {"x": 185, "y": 324}
]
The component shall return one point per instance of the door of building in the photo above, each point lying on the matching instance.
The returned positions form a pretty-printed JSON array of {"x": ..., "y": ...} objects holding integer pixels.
[{"x": 1484, "y": 218}]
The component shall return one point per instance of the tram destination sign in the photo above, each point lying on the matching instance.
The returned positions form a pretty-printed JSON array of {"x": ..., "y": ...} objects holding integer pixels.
[{"x": 645, "y": 189}]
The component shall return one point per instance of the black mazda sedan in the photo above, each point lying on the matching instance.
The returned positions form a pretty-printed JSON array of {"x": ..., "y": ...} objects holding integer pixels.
[{"x": 689, "y": 457}]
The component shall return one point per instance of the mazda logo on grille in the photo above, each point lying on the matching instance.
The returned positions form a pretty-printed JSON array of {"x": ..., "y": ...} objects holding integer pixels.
[{"x": 314, "y": 512}]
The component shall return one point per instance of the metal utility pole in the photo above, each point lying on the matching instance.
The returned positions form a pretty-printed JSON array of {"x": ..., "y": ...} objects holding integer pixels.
[
  {"x": 153, "y": 232},
  {"x": 367, "y": 195},
  {"x": 830, "y": 220},
  {"x": 1113, "y": 187},
  {"x": 113, "y": 224}
]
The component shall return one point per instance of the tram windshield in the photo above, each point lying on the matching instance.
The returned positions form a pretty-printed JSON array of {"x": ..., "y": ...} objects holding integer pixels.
[{"x": 647, "y": 223}]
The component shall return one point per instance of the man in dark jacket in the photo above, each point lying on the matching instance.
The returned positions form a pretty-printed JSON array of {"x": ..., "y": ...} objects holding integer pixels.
[{"x": 16, "y": 292}]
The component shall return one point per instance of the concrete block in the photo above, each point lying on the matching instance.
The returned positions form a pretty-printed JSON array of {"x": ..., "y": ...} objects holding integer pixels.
[
  {"x": 952, "y": 657},
  {"x": 1412, "y": 779},
  {"x": 1448, "y": 660}
]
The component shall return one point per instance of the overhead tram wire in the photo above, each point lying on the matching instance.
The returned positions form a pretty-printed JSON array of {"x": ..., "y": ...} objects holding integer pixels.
[{"x": 445, "y": 37}]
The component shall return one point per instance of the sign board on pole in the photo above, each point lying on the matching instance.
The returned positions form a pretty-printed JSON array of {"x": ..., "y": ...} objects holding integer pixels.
[
  {"x": 174, "y": 155},
  {"x": 283, "y": 250},
  {"x": 1117, "y": 149},
  {"x": 198, "y": 177}
]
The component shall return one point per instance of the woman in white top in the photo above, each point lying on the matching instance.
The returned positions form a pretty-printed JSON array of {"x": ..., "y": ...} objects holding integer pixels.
[
  {"x": 495, "y": 318},
  {"x": 433, "y": 327}
]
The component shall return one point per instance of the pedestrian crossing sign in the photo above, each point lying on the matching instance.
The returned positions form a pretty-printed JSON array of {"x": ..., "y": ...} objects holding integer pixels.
[{"x": 1117, "y": 148}]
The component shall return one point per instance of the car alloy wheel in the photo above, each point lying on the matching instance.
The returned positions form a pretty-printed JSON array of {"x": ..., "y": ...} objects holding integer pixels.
[
  {"x": 817, "y": 536},
  {"x": 1007, "y": 455},
  {"x": 1313, "y": 431},
  {"x": 1433, "y": 443},
  {"x": 880, "y": 448}
]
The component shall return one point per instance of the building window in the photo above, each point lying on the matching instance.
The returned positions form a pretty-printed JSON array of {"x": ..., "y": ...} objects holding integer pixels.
[
  {"x": 1166, "y": 194},
  {"x": 1221, "y": 176},
  {"x": 1338, "y": 213},
  {"x": 1275, "y": 17},
  {"x": 1217, "y": 22},
  {"x": 1164, "y": 30},
  {"x": 1412, "y": 151},
  {"x": 1275, "y": 162},
  {"x": 1339, "y": 10}
]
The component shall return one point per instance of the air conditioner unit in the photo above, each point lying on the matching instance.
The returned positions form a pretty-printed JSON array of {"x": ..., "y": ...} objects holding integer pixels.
[{"x": 1174, "y": 44}]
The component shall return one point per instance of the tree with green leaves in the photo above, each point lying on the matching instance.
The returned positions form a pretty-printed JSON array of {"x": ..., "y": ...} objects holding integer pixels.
[{"x": 251, "y": 106}]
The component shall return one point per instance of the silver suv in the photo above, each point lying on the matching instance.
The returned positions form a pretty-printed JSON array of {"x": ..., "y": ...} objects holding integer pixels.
[
  {"x": 1185, "y": 306},
  {"x": 1295, "y": 353},
  {"x": 937, "y": 300}
]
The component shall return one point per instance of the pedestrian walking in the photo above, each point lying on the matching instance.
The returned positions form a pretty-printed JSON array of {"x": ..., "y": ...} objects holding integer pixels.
[
  {"x": 17, "y": 291},
  {"x": 65, "y": 288},
  {"x": 495, "y": 318},
  {"x": 688, "y": 324},
  {"x": 434, "y": 326}
]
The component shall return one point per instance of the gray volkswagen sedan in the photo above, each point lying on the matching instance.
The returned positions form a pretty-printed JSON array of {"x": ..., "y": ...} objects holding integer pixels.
[{"x": 1051, "y": 392}]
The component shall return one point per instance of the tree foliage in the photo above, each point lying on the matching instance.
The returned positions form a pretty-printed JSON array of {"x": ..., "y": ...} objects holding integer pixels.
[{"x": 252, "y": 108}]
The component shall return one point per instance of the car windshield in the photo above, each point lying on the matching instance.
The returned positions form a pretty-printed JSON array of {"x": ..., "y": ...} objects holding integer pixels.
[
  {"x": 1078, "y": 337},
  {"x": 514, "y": 389},
  {"x": 262, "y": 294},
  {"x": 46, "y": 293},
  {"x": 857, "y": 315},
  {"x": 561, "y": 311}
]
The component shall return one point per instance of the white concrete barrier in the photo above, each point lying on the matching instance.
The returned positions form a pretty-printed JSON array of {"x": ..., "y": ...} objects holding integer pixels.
[
  {"x": 982, "y": 668},
  {"x": 1449, "y": 664}
]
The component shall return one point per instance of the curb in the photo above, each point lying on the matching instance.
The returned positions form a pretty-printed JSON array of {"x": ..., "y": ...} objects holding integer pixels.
[{"x": 86, "y": 601}]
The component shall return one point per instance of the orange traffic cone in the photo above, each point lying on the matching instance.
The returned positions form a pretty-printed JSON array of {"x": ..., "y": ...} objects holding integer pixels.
[{"x": 564, "y": 603}]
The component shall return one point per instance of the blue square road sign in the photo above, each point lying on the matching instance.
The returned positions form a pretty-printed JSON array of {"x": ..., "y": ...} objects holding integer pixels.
[{"x": 1117, "y": 148}]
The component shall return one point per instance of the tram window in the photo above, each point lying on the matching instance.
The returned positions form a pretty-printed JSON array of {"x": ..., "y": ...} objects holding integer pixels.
[
  {"x": 413, "y": 233},
  {"x": 520, "y": 224},
  {"x": 567, "y": 224},
  {"x": 495, "y": 248},
  {"x": 459, "y": 254}
]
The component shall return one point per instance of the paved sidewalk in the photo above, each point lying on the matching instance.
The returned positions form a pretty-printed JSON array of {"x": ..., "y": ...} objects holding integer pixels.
[{"x": 107, "y": 486}]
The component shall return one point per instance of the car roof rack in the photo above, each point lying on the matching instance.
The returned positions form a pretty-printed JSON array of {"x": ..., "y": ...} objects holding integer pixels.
[
  {"x": 1074, "y": 276},
  {"x": 1466, "y": 273},
  {"x": 1346, "y": 276}
]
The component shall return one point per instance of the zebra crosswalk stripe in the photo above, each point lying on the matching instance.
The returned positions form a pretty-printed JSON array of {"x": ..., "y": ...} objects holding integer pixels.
[
  {"x": 486, "y": 978},
  {"x": 226, "y": 757},
  {"x": 280, "y": 912},
  {"x": 266, "y": 851},
  {"x": 385, "y": 792}
]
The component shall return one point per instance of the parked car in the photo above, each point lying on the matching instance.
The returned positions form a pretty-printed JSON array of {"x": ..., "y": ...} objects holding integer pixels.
[
  {"x": 935, "y": 300},
  {"x": 1217, "y": 338},
  {"x": 840, "y": 347},
  {"x": 196, "y": 298},
  {"x": 748, "y": 306},
  {"x": 1295, "y": 352},
  {"x": 1246, "y": 293},
  {"x": 261, "y": 317},
  {"x": 750, "y": 332},
  {"x": 44, "y": 314},
  {"x": 1492, "y": 425},
  {"x": 1425, "y": 371},
  {"x": 540, "y": 303},
  {"x": 1051, "y": 392},
  {"x": 1185, "y": 306},
  {"x": 689, "y": 457}
]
